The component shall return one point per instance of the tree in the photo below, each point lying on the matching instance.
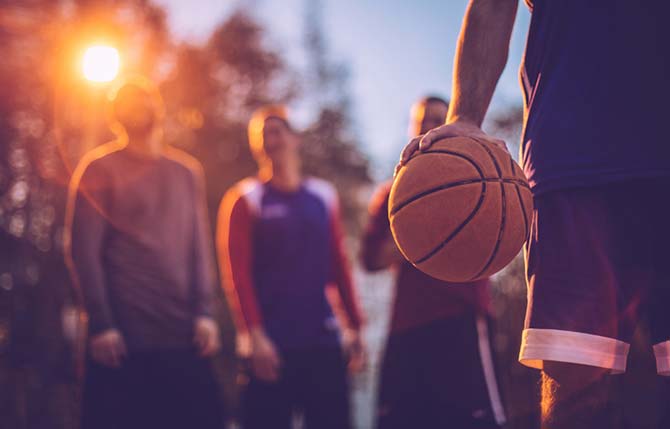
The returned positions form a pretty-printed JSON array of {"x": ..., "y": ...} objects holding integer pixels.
[
  {"x": 331, "y": 149},
  {"x": 43, "y": 113},
  {"x": 214, "y": 90},
  {"x": 49, "y": 117}
]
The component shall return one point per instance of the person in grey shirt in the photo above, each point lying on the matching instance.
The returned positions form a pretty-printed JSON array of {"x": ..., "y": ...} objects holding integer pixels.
[{"x": 139, "y": 248}]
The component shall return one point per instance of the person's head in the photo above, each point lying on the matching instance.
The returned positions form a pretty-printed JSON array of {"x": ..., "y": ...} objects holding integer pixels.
[
  {"x": 136, "y": 106},
  {"x": 427, "y": 113},
  {"x": 271, "y": 136}
]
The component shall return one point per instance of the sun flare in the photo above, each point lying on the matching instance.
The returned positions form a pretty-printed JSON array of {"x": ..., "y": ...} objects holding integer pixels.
[{"x": 101, "y": 63}]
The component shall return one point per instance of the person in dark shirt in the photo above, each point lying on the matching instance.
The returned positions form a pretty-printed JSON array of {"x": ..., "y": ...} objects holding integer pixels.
[
  {"x": 280, "y": 246},
  {"x": 438, "y": 367},
  {"x": 595, "y": 150},
  {"x": 140, "y": 250}
]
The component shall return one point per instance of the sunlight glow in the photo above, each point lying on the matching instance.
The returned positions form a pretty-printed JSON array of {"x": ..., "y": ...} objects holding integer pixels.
[{"x": 101, "y": 63}]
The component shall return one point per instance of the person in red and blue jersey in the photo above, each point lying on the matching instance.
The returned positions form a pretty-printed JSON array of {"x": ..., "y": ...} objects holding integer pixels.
[
  {"x": 280, "y": 246},
  {"x": 438, "y": 367},
  {"x": 595, "y": 151}
]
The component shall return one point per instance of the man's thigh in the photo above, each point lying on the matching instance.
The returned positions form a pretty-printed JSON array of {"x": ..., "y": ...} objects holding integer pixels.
[
  {"x": 433, "y": 376},
  {"x": 190, "y": 390},
  {"x": 659, "y": 299},
  {"x": 401, "y": 397},
  {"x": 588, "y": 268},
  {"x": 267, "y": 405},
  {"x": 580, "y": 397},
  {"x": 105, "y": 403},
  {"x": 459, "y": 378},
  {"x": 325, "y": 389}
]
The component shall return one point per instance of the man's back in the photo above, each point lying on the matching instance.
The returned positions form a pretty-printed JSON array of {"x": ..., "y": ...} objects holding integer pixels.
[{"x": 596, "y": 87}]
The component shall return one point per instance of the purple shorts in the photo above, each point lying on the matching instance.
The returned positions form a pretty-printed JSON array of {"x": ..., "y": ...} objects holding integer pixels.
[{"x": 598, "y": 261}]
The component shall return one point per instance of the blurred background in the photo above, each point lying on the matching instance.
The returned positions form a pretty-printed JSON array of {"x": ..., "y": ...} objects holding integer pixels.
[{"x": 349, "y": 70}]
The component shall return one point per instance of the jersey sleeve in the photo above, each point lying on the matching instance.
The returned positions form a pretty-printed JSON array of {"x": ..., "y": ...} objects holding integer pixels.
[
  {"x": 342, "y": 272},
  {"x": 377, "y": 231},
  {"x": 235, "y": 247}
]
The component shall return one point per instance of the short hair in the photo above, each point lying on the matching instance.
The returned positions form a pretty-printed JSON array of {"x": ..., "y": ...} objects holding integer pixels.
[
  {"x": 419, "y": 110},
  {"x": 257, "y": 122},
  {"x": 434, "y": 99},
  {"x": 142, "y": 83}
]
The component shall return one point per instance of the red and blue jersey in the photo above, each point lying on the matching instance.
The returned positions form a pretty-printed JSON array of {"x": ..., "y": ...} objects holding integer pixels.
[
  {"x": 279, "y": 251},
  {"x": 419, "y": 299}
]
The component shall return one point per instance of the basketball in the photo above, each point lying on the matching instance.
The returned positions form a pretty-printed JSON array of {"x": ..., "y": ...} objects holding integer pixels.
[{"x": 461, "y": 210}]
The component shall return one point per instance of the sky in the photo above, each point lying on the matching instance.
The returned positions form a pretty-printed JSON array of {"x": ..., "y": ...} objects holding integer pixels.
[{"x": 396, "y": 51}]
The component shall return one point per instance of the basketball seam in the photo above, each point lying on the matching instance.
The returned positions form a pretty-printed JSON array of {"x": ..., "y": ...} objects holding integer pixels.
[
  {"x": 503, "y": 217},
  {"x": 458, "y": 229},
  {"x": 427, "y": 192},
  {"x": 469, "y": 218}
]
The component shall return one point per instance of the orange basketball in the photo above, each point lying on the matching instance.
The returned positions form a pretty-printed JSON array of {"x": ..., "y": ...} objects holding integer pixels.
[{"x": 461, "y": 210}]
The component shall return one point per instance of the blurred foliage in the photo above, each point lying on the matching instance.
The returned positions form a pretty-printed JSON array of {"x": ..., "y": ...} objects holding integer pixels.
[{"x": 330, "y": 146}]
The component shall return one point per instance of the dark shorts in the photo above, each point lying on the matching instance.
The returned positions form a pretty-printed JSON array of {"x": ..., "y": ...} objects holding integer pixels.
[
  {"x": 168, "y": 389},
  {"x": 597, "y": 260},
  {"x": 313, "y": 383},
  {"x": 440, "y": 375}
]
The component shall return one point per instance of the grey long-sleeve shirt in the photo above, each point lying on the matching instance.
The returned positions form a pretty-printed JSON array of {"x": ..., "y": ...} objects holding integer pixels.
[{"x": 140, "y": 245}]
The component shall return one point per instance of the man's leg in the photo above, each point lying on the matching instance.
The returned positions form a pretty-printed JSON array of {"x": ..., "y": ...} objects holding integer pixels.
[
  {"x": 578, "y": 397},
  {"x": 149, "y": 395},
  {"x": 193, "y": 391},
  {"x": 104, "y": 404},
  {"x": 459, "y": 376},
  {"x": 400, "y": 393},
  {"x": 659, "y": 302},
  {"x": 267, "y": 405},
  {"x": 326, "y": 389},
  {"x": 588, "y": 270},
  {"x": 664, "y": 397}
]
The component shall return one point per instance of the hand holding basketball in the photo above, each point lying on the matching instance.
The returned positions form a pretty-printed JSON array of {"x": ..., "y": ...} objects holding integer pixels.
[
  {"x": 460, "y": 209},
  {"x": 457, "y": 128}
]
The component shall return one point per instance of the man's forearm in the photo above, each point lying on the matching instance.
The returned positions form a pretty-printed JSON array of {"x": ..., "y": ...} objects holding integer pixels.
[
  {"x": 480, "y": 58},
  {"x": 204, "y": 279},
  {"x": 85, "y": 228}
]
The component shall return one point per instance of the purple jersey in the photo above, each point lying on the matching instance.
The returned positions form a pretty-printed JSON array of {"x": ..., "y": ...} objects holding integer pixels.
[
  {"x": 279, "y": 251},
  {"x": 595, "y": 78}
]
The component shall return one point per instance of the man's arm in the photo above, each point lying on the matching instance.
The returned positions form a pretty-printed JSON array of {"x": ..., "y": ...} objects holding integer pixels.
[
  {"x": 206, "y": 328},
  {"x": 353, "y": 344},
  {"x": 234, "y": 245},
  {"x": 203, "y": 261},
  {"x": 85, "y": 229},
  {"x": 342, "y": 272},
  {"x": 378, "y": 250},
  {"x": 481, "y": 55},
  {"x": 86, "y": 225},
  {"x": 234, "y": 232}
]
